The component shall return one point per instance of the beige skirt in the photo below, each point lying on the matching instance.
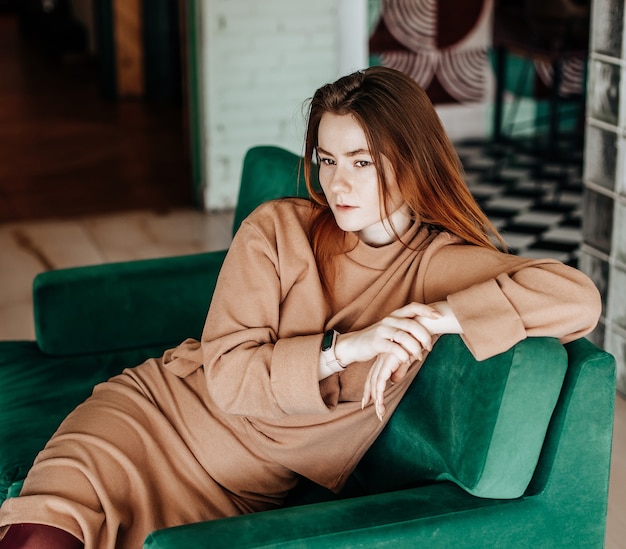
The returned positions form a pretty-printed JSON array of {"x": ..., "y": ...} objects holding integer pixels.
[{"x": 146, "y": 451}]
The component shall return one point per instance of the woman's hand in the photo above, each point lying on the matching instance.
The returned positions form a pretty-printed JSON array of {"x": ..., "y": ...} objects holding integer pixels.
[
  {"x": 386, "y": 367},
  {"x": 395, "y": 342},
  {"x": 400, "y": 334}
]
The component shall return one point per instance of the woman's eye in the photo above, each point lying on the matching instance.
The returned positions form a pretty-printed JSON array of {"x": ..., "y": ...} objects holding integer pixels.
[
  {"x": 363, "y": 163},
  {"x": 326, "y": 161}
]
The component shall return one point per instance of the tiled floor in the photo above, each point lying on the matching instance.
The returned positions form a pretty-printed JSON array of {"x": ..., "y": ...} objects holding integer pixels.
[{"x": 539, "y": 213}]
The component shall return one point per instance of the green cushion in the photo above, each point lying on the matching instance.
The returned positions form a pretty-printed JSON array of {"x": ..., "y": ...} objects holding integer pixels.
[
  {"x": 478, "y": 424},
  {"x": 38, "y": 391},
  {"x": 103, "y": 308}
]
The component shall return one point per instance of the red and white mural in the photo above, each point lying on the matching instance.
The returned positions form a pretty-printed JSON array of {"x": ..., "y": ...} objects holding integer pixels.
[{"x": 442, "y": 44}]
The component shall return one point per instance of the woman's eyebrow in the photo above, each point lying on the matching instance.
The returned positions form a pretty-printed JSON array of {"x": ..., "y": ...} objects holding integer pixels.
[{"x": 350, "y": 153}]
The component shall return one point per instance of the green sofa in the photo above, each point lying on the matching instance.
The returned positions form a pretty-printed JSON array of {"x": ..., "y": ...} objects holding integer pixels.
[{"x": 513, "y": 451}]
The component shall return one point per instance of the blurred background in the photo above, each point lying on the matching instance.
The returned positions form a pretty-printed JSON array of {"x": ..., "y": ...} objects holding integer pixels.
[
  {"x": 111, "y": 105},
  {"x": 146, "y": 108},
  {"x": 91, "y": 108},
  {"x": 123, "y": 125}
]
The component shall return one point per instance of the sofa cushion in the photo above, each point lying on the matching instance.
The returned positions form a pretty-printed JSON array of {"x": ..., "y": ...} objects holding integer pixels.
[
  {"x": 36, "y": 394},
  {"x": 478, "y": 424}
]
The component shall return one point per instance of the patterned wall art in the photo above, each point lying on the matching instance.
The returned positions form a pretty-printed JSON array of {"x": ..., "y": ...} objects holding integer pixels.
[{"x": 442, "y": 44}]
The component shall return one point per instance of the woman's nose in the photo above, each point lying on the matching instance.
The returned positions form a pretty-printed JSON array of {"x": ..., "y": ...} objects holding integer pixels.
[{"x": 339, "y": 182}]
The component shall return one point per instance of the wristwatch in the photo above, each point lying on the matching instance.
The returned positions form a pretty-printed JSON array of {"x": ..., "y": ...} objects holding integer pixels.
[{"x": 328, "y": 351}]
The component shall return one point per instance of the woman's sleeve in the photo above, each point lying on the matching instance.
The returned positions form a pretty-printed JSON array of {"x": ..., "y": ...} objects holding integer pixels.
[
  {"x": 500, "y": 299},
  {"x": 249, "y": 370}
]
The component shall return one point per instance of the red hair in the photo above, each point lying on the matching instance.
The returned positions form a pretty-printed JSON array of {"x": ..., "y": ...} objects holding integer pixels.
[{"x": 401, "y": 124}]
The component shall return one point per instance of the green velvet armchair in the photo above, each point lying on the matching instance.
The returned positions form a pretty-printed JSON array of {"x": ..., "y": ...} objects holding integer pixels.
[{"x": 513, "y": 451}]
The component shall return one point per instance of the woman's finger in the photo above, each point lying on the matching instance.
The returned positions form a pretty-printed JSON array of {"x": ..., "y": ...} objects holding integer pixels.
[
  {"x": 379, "y": 399},
  {"x": 413, "y": 342},
  {"x": 376, "y": 382},
  {"x": 414, "y": 309},
  {"x": 368, "y": 388},
  {"x": 401, "y": 372},
  {"x": 410, "y": 326}
]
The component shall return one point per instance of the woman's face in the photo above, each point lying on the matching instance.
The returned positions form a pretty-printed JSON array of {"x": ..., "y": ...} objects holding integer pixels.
[{"x": 349, "y": 180}]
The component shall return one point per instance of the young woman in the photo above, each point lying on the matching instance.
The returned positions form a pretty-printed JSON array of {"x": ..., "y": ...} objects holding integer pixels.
[{"x": 323, "y": 313}]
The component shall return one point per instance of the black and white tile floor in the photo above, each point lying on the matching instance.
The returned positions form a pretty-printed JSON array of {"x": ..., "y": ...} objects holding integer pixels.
[{"x": 535, "y": 204}]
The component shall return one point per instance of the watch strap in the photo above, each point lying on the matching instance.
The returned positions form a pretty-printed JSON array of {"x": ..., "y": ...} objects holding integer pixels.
[{"x": 328, "y": 351}]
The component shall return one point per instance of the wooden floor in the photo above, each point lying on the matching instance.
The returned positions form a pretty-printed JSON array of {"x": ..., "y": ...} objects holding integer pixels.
[{"x": 66, "y": 151}]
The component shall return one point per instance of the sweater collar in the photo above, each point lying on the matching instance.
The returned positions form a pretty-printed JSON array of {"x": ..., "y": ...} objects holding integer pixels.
[{"x": 380, "y": 258}]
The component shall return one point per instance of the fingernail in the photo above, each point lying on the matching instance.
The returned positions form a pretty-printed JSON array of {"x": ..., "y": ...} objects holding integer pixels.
[
  {"x": 362, "y": 403},
  {"x": 379, "y": 412}
]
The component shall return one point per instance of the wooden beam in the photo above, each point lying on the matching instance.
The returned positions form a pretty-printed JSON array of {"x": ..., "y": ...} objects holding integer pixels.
[{"x": 127, "y": 31}]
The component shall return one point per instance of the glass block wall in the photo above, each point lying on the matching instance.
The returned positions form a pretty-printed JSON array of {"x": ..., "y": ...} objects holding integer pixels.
[{"x": 603, "y": 253}]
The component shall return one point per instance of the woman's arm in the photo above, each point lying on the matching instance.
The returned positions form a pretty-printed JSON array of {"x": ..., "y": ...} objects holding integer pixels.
[
  {"x": 494, "y": 300},
  {"x": 262, "y": 337},
  {"x": 500, "y": 299}
]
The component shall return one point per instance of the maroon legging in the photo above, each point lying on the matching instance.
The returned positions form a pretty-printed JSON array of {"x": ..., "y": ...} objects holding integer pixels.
[{"x": 36, "y": 536}]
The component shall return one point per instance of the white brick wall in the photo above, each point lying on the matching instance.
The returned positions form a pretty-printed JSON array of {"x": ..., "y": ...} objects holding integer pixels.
[{"x": 260, "y": 61}]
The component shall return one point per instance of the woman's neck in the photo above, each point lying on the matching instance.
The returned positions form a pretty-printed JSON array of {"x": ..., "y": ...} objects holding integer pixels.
[{"x": 389, "y": 229}]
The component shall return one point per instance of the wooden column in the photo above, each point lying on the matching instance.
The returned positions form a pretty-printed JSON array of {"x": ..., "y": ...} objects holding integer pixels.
[{"x": 127, "y": 33}]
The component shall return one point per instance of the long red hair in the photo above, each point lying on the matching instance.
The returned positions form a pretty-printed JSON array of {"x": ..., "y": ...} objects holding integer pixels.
[{"x": 401, "y": 124}]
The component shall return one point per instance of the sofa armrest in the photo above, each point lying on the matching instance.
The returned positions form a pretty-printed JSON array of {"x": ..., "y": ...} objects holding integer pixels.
[
  {"x": 479, "y": 424},
  {"x": 116, "y": 306},
  {"x": 566, "y": 505},
  {"x": 438, "y": 516}
]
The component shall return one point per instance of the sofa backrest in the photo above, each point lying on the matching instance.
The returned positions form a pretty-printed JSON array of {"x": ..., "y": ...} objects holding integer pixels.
[{"x": 268, "y": 172}]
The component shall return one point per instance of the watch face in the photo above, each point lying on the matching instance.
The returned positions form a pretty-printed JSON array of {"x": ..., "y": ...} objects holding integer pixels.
[{"x": 327, "y": 341}]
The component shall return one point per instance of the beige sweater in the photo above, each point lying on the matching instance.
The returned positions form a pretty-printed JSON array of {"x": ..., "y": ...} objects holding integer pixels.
[
  {"x": 245, "y": 411},
  {"x": 261, "y": 342}
]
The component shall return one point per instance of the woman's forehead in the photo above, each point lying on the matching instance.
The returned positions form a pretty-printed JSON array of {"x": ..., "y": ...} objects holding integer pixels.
[{"x": 341, "y": 134}]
